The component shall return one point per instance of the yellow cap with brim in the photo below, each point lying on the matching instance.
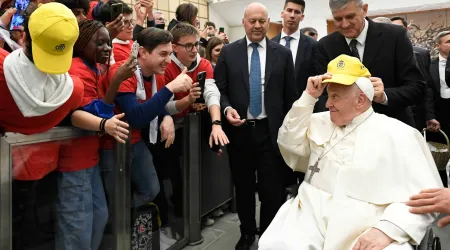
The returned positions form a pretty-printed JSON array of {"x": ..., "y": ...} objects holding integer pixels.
[
  {"x": 54, "y": 30},
  {"x": 346, "y": 70}
]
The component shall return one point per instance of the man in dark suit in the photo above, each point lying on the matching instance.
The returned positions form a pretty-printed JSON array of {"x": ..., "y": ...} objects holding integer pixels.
[
  {"x": 439, "y": 96},
  {"x": 304, "y": 53},
  {"x": 384, "y": 49},
  {"x": 423, "y": 116},
  {"x": 255, "y": 77},
  {"x": 304, "y": 48}
]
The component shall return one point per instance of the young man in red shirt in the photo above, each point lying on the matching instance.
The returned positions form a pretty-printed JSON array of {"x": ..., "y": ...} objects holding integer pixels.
[{"x": 143, "y": 97}]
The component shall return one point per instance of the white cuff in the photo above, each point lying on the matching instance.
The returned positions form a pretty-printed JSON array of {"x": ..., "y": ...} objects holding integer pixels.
[
  {"x": 385, "y": 102},
  {"x": 306, "y": 100},
  {"x": 393, "y": 231},
  {"x": 171, "y": 107}
]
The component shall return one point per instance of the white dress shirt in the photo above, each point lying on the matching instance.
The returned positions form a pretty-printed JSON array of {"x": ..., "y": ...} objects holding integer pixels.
[
  {"x": 445, "y": 90},
  {"x": 294, "y": 42},
  {"x": 361, "y": 40},
  {"x": 361, "y": 45}
]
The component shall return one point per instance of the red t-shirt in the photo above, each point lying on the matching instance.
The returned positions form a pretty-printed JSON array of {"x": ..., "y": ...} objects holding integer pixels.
[
  {"x": 172, "y": 71},
  {"x": 81, "y": 153},
  {"x": 127, "y": 86},
  {"x": 122, "y": 51},
  {"x": 92, "y": 5},
  {"x": 34, "y": 161}
]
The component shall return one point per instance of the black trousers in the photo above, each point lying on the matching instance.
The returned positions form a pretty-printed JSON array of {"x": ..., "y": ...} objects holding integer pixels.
[
  {"x": 257, "y": 153},
  {"x": 166, "y": 161}
]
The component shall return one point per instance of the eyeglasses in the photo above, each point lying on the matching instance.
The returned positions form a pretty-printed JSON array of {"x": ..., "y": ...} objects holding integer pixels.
[
  {"x": 189, "y": 46},
  {"x": 128, "y": 23}
]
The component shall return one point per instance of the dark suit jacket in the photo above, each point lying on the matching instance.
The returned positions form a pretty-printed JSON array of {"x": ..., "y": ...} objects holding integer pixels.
[
  {"x": 441, "y": 107},
  {"x": 424, "y": 111},
  {"x": 232, "y": 78},
  {"x": 305, "y": 61},
  {"x": 388, "y": 54}
]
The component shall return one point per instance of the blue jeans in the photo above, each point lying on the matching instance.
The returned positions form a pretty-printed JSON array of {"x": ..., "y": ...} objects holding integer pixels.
[
  {"x": 81, "y": 210},
  {"x": 144, "y": 179}
]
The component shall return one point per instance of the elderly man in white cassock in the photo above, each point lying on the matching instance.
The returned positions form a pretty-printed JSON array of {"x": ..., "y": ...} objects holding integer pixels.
[{"x": 361, "y": 168}]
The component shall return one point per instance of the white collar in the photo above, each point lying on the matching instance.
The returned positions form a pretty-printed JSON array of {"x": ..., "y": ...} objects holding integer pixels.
[
  {"x": 262, "y": 43},
  {"x": 360, "y": 118},
  {"x": 295, "y": 35},
  {"x": 362, "y": 36},
  {"x": 441, "y": 58},
  {"x": 118, "y": 41}
]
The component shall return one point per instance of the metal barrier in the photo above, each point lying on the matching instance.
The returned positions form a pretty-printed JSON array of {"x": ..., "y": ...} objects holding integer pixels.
[
  {"x": 122, "y": 196},
  {"x": 193, "y": 156}
]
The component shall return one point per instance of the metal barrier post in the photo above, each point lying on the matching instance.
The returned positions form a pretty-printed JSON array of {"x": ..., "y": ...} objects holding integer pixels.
[
  {"x": 191, "y": 163},
  {"x": 5, "y": 195},
  {"x": 122, "y": 197}
]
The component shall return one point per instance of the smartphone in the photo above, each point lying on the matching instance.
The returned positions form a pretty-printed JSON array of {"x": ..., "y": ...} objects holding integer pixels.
[
  {"x": 201, "y": 77},
  {"x": 116, "y": 10},
  {"x": 135, "y": 50},
  {"x": 221, "y": 30},
  {"x": 19, "y": 17}
]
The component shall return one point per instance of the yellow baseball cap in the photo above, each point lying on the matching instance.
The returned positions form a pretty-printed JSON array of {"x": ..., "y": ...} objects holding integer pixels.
[
  {"x": 54, "y": 30},
  {"x": 346, "y": 69}
]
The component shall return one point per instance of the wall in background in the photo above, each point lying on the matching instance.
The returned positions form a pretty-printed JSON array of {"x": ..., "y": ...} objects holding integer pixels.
[
  {"x": 425, "y": 26},
  {"x": 218, "y": 20},
  {"x": 168, "y": 8}
]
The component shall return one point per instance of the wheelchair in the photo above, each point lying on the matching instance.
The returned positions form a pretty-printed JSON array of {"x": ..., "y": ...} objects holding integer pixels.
[{"x": 429, "y": 242}]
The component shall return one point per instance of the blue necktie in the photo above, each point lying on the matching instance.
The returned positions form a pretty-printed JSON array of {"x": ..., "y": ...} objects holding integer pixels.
[
  {"x": 288, "y": 42},
  {"x": 255, "y": 83}
]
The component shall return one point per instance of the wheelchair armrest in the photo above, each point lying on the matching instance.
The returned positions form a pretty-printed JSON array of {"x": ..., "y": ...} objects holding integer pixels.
[{"x": 292, "y": 190}]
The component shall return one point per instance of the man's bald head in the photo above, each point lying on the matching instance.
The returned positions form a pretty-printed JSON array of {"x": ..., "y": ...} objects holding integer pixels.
[
  {"x": 256, "y": 21},
  {"x": 256, "y": 7}
]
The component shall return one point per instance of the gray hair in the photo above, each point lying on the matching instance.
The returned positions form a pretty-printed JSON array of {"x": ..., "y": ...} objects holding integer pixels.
[
  {"x": 439, "y": 36},
  {"x": 382, "y": 19},
  {"x": 341, "y": 4}
]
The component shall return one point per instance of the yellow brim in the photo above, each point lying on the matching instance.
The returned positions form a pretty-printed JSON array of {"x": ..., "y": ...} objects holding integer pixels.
[
  {"x": 341, "y": 79},
  {"x": 52, "y": 64}
]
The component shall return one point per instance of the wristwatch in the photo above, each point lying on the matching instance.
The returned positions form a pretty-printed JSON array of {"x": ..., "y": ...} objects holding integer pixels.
[{"x": 217, "y": 122}]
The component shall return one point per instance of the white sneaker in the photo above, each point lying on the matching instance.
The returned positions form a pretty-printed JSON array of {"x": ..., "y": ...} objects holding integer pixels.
[
  {"x": 217, "y": 213},
  {"x": 165, "y": 241},
  {"x": 207, "y": 221}
]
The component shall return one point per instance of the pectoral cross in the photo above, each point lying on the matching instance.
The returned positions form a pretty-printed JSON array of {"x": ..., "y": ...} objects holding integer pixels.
[{"x": 314, "y": 169}]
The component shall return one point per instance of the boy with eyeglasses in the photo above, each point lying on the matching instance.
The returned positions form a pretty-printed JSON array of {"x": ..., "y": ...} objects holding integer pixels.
[
  {"x": 122, "y": 43},
  {"x": 185, "y": 44}
]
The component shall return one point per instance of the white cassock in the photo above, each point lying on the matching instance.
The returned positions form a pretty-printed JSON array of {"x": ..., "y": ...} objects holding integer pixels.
[{"x": 363, "y": 182}]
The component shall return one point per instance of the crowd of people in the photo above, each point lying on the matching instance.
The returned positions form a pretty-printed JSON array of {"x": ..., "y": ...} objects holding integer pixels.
[{"x": 340, "y": 115}]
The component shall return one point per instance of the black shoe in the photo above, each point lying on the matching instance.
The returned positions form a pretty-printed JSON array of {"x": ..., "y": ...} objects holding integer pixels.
[{"x": 245, "y": 242}]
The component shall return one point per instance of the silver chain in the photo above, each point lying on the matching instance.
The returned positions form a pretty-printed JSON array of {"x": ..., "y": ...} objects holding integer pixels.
[{"x": 323, "y": 154}]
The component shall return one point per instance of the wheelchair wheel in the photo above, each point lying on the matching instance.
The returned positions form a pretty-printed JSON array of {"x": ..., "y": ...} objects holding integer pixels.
[
  {"x": 436, "y": 244},
  {"x": 429, "y": 242}
]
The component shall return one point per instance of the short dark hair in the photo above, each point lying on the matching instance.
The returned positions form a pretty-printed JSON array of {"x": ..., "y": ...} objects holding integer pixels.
[
  {"x": 185, "y": 12},
  {"x": 308, "y": 29},
  {"x": 76, "y": 4},
  {"x": 299, "y": 2},
  {"x": 210, "y": 24},
  {"x": 404, "y": 22},
  {"x": 28, "y": 44},
  {"x": 104, "y": 14},
  {"x": 181, "y": 30},
  {"x": 150, "y": 38}
]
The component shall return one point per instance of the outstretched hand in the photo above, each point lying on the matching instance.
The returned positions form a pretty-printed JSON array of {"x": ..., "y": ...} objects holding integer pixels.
[{"x": 432, "y": 201}]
